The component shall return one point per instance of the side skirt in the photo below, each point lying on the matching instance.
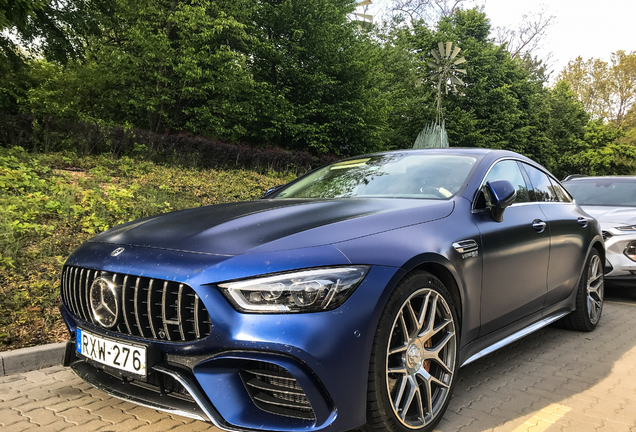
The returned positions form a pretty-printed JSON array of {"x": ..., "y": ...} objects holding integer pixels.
[{"x": 513, "y": 337}]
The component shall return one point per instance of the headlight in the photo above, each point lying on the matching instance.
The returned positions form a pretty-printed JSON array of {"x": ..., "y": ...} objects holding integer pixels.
[
  {"x": 303, "y": 291},
  {"x": 630, "y": 250},
  {"x": 626, "y": 228}
]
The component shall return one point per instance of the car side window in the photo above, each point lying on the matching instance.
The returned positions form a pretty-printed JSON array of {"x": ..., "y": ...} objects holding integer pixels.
[
  {"x": 504, "y": 170},
  {"x": 561, "y": 193},
  {"x": 542, "y": 188}
]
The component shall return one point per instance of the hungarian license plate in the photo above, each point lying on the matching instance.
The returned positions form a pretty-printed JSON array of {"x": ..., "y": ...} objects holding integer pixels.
[{"x": 119, "y": 355}]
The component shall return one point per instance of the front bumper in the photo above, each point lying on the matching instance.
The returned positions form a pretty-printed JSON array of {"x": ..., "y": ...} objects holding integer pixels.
[
  {"x": 177, "y": 394},
  {"x": 325, "y": 353}
]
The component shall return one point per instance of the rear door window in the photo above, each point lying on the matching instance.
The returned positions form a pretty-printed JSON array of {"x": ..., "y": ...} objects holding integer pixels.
[{"x": 542, "y": 188}]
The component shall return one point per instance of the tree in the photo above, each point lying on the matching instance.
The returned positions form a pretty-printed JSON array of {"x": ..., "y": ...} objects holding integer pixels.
[
  {"x": 411, "y": 100},
  {"x": 525, "y": 40},
  {"x": 425, "y": 10},
  {"x": 167, "y": 65},
  {"x": 567, "y": 123},
  {"x": 315, "y": 78},
  {"x": 56, "y": 29},
  {"x": 583, "y": 146},
  {"x": 499, "y": 106},
  {"x": 607, "y": 90}
]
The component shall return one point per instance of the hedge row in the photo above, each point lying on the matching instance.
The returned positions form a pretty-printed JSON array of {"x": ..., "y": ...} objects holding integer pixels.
[{"x": 55, "y": 134}]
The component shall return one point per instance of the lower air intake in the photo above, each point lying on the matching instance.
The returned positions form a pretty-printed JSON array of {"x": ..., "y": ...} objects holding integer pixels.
[{"x": 273, "y": 389}]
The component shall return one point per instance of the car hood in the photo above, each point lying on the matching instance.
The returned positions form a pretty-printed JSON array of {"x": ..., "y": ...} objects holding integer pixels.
[
  {"x": 610, "y": 216},
  {"x": 270, "y": 225}
]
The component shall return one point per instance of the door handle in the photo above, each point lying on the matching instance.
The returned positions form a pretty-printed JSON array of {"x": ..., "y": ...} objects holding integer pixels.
[
  {"x": 538, "y": 225},
  {"x": 582, "y": 221}
]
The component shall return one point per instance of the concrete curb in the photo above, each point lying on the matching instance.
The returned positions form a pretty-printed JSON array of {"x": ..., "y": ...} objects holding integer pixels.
[{"x": 29, "y": 359}]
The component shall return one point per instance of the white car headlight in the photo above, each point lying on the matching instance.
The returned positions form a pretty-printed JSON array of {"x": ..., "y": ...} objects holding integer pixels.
[
  {"x": 302, "y": 291},
  {"x": 630, "y": 250},
  {"x": 626, "y": 228}
]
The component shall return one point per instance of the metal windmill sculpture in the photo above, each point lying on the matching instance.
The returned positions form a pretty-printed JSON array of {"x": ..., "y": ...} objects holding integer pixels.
[
  {"x": 444, "y": 71},
  {"x": 363, "y": 19}
]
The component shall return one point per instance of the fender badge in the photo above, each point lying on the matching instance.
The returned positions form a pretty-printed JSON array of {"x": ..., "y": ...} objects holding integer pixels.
[{"x": 117, "y": 251}]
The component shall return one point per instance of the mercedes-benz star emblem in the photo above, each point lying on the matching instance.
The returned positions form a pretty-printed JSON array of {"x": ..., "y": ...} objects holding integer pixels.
[
  {"x": 104, "y": 302},
  {"x": 117, "y": 251}
]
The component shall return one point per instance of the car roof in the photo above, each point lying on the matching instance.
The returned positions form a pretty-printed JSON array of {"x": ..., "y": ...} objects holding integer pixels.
[
  {"x": 614, "y": 179},
  {"x": 468, "y": 151}
]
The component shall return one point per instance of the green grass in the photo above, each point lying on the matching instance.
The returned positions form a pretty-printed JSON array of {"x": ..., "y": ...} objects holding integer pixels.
[{"x": 50, "y": 204}]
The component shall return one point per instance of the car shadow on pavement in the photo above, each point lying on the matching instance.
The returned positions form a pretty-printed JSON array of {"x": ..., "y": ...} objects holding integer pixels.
[{"x": 555, "y": 379}]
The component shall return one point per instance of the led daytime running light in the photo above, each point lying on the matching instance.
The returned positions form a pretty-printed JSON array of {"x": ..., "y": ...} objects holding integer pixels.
[
  {"x": 303, "y": 291},
  {"x": 626, "y": 228}
]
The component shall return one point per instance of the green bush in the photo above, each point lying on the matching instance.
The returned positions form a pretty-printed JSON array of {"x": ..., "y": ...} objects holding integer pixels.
[{"x": 50, "y": 204}]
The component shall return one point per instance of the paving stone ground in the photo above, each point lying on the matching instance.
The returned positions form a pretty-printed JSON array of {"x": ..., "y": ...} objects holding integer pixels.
[{"x": 553, "y": 380}]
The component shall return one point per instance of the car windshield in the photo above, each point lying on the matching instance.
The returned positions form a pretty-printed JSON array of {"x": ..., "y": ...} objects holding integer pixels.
[
  {"x": 605, "y": 191},
  {"x": 394, "y": 175}
]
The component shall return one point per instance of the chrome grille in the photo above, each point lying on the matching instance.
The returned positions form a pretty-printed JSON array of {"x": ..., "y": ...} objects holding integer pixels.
[
  {"x": 606, "y": 235},
  {"x": 150, "y": 308},
  {"x": 273, "y": 389}
]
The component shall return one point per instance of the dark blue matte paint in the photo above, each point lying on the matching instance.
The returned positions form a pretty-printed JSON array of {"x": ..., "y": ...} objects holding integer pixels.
[{"x": 516, "y": 272}]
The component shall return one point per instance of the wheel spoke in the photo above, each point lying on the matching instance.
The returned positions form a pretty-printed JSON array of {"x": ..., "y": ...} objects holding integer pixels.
[
  {"x": 398, "y": 397},
  {"x": 434, "y": 352},
  {"x": 596, "y": 287},
  {"x": 439, "y": 328},
  {"x": 593, "y": 311},
  {"x": 398, "y": 349},
  {"x": 594, "y": 266},
  {"x": 420, "y": 405},
  {"x": 405, "y": 331},
  {"x": 441, "y": 344},
  {"x": 431, "y": 315},
  {"x": 429, "y": 397},
  {"x": 423, "y": 309},
  {"x": 413, "y": 317},
  {"x": 409, "y": 397},
  {"x": 428, "y": 378},
  {"x": 439, "y": 383}
]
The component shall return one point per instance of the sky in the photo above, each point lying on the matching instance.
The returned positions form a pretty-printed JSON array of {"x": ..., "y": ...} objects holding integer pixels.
[{"x": 586, "y": 28}]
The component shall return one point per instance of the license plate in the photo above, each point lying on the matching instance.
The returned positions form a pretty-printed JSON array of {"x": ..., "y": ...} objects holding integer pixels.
[{"x": 119, "y": 355}]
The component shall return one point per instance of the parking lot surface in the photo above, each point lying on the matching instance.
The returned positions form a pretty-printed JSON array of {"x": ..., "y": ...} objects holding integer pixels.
[{"x": 553, "y": 380}]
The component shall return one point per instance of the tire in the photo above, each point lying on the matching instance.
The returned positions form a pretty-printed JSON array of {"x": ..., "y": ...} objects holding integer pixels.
[
  {"x": 414, "y": 358},
  {"x": 589, "y": 297}
]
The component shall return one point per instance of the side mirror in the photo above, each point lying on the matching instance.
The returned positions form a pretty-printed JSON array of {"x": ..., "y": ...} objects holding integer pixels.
[
  {"x": 272, "y": 190},
  {"x": 502, "y": 194}
]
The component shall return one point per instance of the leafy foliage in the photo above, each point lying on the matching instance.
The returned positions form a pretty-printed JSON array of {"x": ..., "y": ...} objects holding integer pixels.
[
  {"x": 280, "y": 73},
  {"x": 57, "y": 134},
  {"x": 50, "y": 204},
  {"x": 315, "y": 79},
  {"x": 608, "y": 91},
  {"x": 500, "y": 106}
]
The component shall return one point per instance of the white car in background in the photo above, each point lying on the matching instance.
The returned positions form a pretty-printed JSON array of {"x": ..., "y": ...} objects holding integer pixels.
[{"x": 612, "y": 201}]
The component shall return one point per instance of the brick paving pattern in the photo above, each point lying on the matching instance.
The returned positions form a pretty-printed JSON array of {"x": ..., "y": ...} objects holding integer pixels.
[{"x": 553, "y": 380}]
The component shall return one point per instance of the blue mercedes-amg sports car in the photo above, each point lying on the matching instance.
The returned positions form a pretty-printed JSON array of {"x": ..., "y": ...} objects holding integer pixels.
[{"x": 348, "y": 298}]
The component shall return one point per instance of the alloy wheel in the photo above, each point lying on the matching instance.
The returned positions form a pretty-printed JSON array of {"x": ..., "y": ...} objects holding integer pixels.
[
  {"x": 595, "y": 289},
  {"x": 421, "y": 357}
]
